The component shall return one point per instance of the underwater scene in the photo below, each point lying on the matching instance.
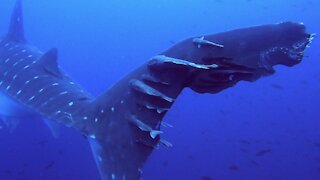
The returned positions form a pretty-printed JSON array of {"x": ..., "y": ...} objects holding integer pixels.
[{"x": 159, "y": 90}]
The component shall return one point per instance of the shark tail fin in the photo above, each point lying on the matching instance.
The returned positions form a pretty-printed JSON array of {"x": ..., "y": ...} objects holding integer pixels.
[
  {"x": 115, "y": 141},
  {"x": 108, "y": 167},
  {"x": 16, "y": 31}
]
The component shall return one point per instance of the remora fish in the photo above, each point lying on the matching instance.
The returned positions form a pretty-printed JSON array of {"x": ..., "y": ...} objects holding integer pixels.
[{"x": 123, "y": 124}]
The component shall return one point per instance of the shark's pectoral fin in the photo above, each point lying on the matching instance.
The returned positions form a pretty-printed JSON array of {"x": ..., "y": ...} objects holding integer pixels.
[
  {"x": 10, "y": 122},
  {"x": 54, "y": 128},
  {"x": 49, "y": 62}
]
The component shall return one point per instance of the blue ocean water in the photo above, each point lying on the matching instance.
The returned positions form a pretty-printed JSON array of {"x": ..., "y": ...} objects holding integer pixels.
[{"x": 267, "y": 130}]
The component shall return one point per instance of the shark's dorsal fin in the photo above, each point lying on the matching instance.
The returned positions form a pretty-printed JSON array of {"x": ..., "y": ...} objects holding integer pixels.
[
  {"x": 16, "y": 32},
  {"x": 49, "y": 62}
]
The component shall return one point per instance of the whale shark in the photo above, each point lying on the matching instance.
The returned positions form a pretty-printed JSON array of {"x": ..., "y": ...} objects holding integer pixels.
[{"x": 123, "y": 124}]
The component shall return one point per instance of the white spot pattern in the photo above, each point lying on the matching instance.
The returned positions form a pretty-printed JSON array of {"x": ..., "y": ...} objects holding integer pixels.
[{"x": 11, "y": 76}]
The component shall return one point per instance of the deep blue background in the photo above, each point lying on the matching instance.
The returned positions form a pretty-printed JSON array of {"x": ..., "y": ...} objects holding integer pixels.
[{"x": 101, "y": 41}]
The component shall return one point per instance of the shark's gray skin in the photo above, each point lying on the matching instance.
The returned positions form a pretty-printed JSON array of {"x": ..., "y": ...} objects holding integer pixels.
[{"x": 123, "y": 124}]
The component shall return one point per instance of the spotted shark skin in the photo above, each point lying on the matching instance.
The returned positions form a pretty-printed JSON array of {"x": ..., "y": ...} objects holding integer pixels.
[{"x": 123, "y": 125}]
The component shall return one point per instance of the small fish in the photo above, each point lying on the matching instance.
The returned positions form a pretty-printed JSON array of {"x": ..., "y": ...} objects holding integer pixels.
[
  {"x": 60, "y": 152},
  {"x": 8, "y": 172},
  {"x": 21, "y": 174},
  {"x": 50, "y": 165},
  {"x": 316, "y": 159},
  {"x": 243, "y": 150},
  {"x": 304, "y": 82},
  {"x": 254, "y": 163},
  {"x": 191, "y": 157},
  {"x": 316, "y": 144},
  {"x": 165, "y": 163},
  {"x": 243, "y": 141},
  {"x": 233, "y": 168},
  {"x": 172, "y": 42},
  {"x": 42, "y": 142},
  {"x": 204, "y": 131},
  {"x": 263, "y": 152},
  {"x": 277, "y": 86},
  {"x": 206, "y": 178}
]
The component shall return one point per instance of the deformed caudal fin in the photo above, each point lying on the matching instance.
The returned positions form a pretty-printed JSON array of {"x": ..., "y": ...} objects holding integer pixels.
[
  {"x": 239, "y": 55},
  {"x": 124, "y": 124},
  {"x": 16, "y": 30}
]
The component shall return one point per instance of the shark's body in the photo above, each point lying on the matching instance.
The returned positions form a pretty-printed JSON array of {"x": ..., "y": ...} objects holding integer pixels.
[{"x": 123, "y": 124}]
